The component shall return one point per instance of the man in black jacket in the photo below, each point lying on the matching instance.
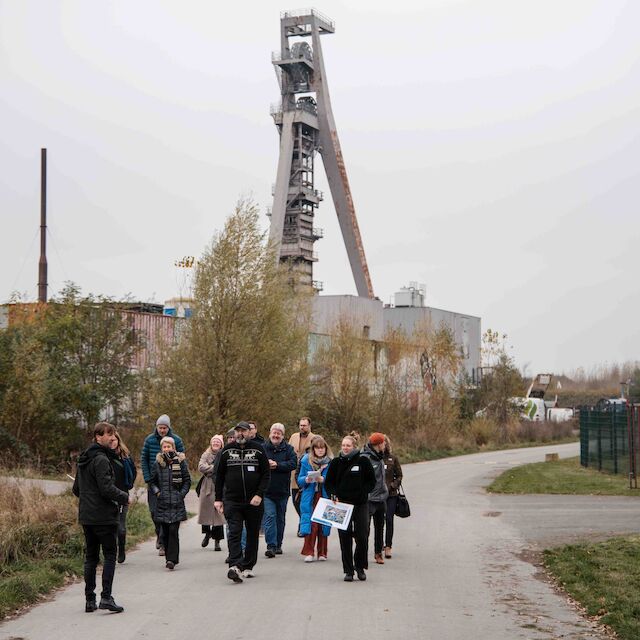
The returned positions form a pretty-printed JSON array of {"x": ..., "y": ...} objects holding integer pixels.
[
  {"x": 241, "y": 479},
  {"x": 282, "y": 461},
  {"x": 98, "y": 515}
]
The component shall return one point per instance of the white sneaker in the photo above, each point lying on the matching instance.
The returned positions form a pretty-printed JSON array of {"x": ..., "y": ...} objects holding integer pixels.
[
  {"x": 322, "y": 558},
  {"x": 247, "y": 573},
  {"x": 234, "y": 574},
  {"x": 308, "y": 559}
]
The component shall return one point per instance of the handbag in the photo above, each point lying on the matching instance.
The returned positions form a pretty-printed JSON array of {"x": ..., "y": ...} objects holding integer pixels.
[
  {"x": 199, "y": 485},
  {"x": 403, "y": 510}
]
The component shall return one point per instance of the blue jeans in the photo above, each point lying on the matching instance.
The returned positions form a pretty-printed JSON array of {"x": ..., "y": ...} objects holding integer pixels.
[{"x": 274, "y": 513}]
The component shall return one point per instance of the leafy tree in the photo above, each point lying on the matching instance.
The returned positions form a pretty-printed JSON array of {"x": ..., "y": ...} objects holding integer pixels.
[
  {"x": 343, "y": 379},
  {"x": 242, "y": 354},
  {"x": 91, "y": 347},
  {"x": 499, "y": 384},
  {"x": 63, "y": 366}
]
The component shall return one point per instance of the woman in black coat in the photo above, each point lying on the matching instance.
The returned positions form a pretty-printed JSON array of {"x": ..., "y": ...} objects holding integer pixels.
[
  {"x": 350, "y": 478},
  {"x": 170, "y": 483},
  {"x": 124, "y": 471}
]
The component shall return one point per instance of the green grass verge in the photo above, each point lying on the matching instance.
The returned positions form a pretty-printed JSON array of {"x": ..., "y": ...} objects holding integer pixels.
[
  {"x": 562, "y": 477},
  {"x": 25, "y": 582},
  {"x": 603, "y": 577}
]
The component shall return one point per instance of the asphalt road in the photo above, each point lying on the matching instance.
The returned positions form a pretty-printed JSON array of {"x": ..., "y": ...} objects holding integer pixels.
[{"x": 458, "y": 572}]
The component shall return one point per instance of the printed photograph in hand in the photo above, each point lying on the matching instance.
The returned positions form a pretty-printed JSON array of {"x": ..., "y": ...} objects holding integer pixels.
[{"x": 334, "y": 514}]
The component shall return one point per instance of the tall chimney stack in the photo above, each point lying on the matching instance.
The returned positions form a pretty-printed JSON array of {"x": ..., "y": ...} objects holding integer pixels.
[{"x": 42, "y": 265}]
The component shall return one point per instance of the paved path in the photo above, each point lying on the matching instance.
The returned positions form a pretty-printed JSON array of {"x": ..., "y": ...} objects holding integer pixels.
[
  {"x": 456, "y": 574},
  {"x": 52, "y": 487}
]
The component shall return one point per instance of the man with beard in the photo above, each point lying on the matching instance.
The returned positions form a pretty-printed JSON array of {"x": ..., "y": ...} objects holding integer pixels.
[
  {"x": 300, "y": 442},
  {"x": 98, "y": 514},
  {"x": 241, "y": 480}
]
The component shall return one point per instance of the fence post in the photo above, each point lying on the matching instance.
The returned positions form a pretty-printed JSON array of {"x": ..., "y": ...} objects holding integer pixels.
[
  {"x": 614, "y": 441},
  {"x": 632, "y": 457},
  {"x": 599, "y": 444}
]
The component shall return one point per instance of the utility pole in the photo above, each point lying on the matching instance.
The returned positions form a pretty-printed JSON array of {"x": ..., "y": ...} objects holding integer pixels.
[{"x": 42, "y": 265}]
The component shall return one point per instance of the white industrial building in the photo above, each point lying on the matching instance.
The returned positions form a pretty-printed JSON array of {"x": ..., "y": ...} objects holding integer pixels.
[{"x": 407, "y": 313}]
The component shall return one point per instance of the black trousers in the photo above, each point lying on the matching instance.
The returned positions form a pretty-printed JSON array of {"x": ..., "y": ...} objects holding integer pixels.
[
  {"x": 151, "y": 502},
  {"x": 377, "y": 511},
  {"x": 215, "y": 531},
  {"x": 392, "y": 501},
  {"x": 357, "y": 530},
  {"x": 96, "y": 536},
  {"x": 238, "y": 515},
  {"x": 296, "y": 503},
  {"x": 171, "y": 541}
]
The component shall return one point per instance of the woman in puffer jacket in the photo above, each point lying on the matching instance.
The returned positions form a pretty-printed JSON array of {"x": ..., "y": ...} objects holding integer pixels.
[
  {"x": 311, "y": 490},
  {"x": 170, "y": 483}
]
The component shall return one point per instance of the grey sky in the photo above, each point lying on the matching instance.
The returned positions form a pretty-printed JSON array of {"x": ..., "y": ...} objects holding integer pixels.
[{"x": 492, "y": 148}]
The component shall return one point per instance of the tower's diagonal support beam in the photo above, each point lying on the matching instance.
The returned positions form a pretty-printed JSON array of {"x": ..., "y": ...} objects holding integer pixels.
[
  {"x": 337, "y": 176},
  {"x": 282, "y": 181}
]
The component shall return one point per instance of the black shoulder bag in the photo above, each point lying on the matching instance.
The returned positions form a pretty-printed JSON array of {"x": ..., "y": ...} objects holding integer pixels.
[
  {"x": 199, "y": 485},
  {"x": 403, "y": 510}
]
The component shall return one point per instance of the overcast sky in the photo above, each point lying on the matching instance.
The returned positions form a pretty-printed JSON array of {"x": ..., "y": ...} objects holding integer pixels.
[{"x": 492, "y": 148}]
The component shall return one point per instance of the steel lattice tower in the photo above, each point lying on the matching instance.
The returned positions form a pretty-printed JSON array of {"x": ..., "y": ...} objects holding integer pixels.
[{"x": 305, "y": 123}]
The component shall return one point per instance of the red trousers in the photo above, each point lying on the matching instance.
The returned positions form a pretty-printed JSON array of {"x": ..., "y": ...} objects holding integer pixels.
[{"x": 315, "y": 535}]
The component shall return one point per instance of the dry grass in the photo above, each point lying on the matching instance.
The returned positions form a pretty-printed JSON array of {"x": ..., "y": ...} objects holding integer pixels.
[
  {"x": 33, "y": 524},
  {"x": 41, "y": 544}
]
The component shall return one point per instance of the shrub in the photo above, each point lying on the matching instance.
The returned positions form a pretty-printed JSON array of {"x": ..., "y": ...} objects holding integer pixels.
[
  {"x": 33, "y": 524},
  {"x": 482, "y": 431}
]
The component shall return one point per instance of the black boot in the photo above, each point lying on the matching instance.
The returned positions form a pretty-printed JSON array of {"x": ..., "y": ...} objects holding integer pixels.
[
  {"x": 110, "y": 604},
  {"x": 205, "y": 540},
  {"x": 122, "y": 543},
  {"x": 217, "y": 547},
  {"x": 90, "y": 605}
]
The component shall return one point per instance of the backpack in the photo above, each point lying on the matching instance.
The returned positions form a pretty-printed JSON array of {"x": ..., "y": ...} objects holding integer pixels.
[{"x": 130, "y": 473}]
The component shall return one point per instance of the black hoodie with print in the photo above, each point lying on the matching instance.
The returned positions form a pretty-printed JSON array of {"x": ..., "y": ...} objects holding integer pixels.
[{"x": 242, "y": 472}]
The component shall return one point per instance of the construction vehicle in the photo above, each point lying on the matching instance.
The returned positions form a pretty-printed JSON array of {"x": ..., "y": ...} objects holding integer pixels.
[{"x": 534, "y": 407}]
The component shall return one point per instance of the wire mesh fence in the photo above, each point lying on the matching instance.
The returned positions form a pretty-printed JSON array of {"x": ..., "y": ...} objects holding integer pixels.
[{"x": 610, "y": 440}]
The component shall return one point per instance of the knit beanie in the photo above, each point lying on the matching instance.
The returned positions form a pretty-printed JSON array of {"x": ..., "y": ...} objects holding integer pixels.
[
  {"x": 164, "y": 420},
  {"x": 376, "y": 438},
  {"x": 219, "y": 438}
]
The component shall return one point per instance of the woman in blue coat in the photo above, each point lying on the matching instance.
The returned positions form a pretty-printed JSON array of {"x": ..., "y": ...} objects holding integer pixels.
[{"x": 312, "y": 489}]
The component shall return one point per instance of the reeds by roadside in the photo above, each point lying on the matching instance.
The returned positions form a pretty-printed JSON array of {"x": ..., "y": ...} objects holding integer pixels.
[{"x": 41, "y": 542}]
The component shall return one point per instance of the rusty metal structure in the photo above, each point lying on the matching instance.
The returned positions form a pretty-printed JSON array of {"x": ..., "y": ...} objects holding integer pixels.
[
  {"x": 306, "y": 126},
  {"x": 42, "y": 264}
]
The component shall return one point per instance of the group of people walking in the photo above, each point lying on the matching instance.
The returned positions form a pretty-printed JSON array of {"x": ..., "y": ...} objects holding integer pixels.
[{"x": 245, "y": 487}]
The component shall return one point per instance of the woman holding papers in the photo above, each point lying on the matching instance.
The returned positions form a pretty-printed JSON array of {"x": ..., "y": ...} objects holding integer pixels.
[
  {"x": 349, "y": 479},
  {"x": 313, "y": 471}
]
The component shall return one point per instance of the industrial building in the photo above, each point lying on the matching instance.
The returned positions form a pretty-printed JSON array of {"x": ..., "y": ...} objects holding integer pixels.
[
  {"x": 306, "y": 127},
  {"x": 374, "y": 320}
]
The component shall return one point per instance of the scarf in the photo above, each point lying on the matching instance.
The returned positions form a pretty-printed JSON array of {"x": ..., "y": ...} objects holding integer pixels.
[
  {"x": 350, "y": 455},
  {"x": 316, "y": 463},
  {"x": 174, "y": 465}
]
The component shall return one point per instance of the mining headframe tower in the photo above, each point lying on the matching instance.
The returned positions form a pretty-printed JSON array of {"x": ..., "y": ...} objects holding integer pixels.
[{"x": 306, "y": 127}]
